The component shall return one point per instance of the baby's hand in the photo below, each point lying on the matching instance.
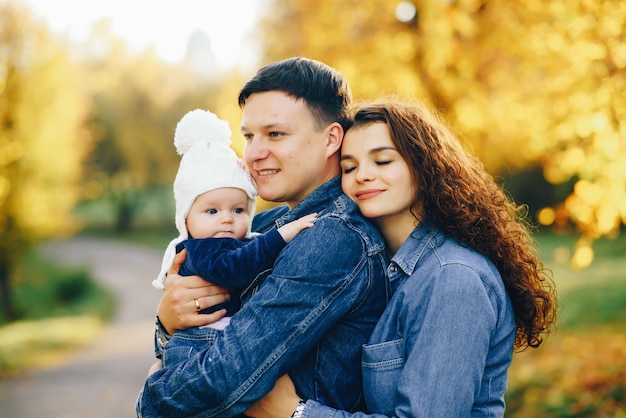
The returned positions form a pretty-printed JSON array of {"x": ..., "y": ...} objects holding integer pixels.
[{"x": 290, "y": 230}]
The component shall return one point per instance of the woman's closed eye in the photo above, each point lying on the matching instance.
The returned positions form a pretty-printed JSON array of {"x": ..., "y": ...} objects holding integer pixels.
[{"x": 348, "y": 169}]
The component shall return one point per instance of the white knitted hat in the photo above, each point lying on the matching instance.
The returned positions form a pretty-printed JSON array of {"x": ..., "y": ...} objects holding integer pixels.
[{"x": 207, "y": 163}]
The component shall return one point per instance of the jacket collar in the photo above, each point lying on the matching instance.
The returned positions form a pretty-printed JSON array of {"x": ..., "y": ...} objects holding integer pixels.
[{"x": 317, "y": 201}]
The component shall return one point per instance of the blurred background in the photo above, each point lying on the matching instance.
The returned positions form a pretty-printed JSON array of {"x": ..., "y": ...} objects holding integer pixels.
[{"x": 90, "y": 94}]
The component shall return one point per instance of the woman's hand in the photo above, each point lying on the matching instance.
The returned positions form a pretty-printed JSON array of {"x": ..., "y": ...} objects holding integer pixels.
[
  {"x": 280, "y": 402},
  {"x": 183, "y": 297},
  {"x": 158, "y": 365}
]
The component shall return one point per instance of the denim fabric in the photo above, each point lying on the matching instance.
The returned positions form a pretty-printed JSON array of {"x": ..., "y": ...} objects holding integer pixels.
[
  {"x": 445, "y": 342},
  {"x": 309, "y": 316},
  {"x": 186, "y": 343},
  {"x": 264, "y": 221}
]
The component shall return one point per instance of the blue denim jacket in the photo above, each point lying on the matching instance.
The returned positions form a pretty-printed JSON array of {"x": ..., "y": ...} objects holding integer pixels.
[
  {"x": 310, "y": 316},
  {"x": 445, "y": 342}
]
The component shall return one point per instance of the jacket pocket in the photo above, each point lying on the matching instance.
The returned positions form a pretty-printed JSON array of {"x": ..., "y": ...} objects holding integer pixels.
[{"x": 382, "y": 366}]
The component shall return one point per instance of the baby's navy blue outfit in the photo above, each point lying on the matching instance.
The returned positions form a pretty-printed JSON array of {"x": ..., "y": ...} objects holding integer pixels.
[{"x": 226, "y": 262}]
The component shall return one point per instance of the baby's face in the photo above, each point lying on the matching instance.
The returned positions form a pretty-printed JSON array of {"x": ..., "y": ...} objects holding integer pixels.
[{"x": 219, "y": 213}]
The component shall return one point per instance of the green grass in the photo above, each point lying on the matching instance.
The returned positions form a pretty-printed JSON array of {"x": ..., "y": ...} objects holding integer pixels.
[
  {"x": 58, "y": 291},
  {"x": 579, "y": 371},
  {"x": 58, "y": 309},
  {"x": 149, "y": 237},
  {"x": 594, "y": 296},
  {"x": 584, "y": 307}
]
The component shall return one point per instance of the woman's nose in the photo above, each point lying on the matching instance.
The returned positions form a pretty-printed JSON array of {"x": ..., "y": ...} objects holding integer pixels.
[{"x": 363, "y": 174}]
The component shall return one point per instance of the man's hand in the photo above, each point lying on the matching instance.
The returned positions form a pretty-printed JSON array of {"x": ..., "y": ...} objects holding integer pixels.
[
  {"x": 178, "y": 308},
  {"x": 282, "y": 401}
]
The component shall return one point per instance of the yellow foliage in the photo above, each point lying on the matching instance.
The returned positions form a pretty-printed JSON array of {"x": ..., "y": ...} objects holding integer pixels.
[
  {"x": 575, "y": 375},
  {"x": 138, "y": 100},
  {"x": 43, "y": 107},
  {"x": 582, "y": 258},
  {"x": 546, "y": 216},
  {"x": 523, "y": 81}
]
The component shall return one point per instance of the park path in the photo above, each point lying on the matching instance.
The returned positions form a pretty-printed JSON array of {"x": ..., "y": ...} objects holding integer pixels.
[{"x": 103, "y": 378}]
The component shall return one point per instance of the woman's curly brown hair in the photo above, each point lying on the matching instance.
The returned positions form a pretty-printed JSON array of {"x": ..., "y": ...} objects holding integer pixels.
[{"x": 456, "y": 192}]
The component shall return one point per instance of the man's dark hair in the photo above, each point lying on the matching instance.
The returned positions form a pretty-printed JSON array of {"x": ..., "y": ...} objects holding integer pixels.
[{"x": 323, "y": 89}]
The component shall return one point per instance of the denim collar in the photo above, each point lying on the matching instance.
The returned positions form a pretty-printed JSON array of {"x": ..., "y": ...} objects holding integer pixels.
[
  {"x": 425, "y": 236},
  {"x": 317, "y": 201}
]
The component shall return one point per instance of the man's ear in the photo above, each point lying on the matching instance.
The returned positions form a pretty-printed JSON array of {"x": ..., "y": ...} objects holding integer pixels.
[{"x": 334, "y": 138}]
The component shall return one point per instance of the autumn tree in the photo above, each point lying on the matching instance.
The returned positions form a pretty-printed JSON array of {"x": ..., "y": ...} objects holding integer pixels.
[
  {"x": 42, "y": 139},
  {"x": 138, "y": 99},
  {"x": 525, "y": 82}
]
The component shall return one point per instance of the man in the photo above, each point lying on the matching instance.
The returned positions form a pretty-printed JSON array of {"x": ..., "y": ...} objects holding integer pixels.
[{"x": 312, "y": 312}]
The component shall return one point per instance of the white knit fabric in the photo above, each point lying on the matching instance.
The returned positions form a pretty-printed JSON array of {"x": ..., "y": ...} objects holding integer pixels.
[{"x": 207, "y": 163}]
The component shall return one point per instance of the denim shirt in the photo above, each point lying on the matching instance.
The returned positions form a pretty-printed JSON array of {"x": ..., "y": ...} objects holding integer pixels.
[
  {"x": 309, "y": 316},
  {"x": 445, "y": 342}
]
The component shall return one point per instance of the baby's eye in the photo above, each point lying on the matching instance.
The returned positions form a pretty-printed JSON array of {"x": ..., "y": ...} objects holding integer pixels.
[
  {"x": 211, "y": 211},
  {"x": 239, "y": 210}
]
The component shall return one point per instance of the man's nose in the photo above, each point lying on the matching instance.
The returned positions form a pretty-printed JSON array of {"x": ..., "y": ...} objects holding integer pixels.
[{"x": 255, "y": 150}]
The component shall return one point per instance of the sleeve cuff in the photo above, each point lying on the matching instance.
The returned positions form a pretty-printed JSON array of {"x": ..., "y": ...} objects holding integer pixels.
[{"x": 161, "y": 337}]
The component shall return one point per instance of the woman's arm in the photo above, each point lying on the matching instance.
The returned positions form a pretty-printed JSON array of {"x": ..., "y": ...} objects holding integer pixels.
[
  {"x": 283, "y": 400},
  {"x": 280, "y": 402}
]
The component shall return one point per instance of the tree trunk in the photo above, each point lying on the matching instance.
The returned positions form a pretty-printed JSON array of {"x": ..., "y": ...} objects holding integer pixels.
[
  {"x": 8, "y": 310},
  {"x": 126, "y": 207}
]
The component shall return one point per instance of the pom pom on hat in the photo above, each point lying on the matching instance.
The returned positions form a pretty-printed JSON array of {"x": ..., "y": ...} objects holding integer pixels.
[
  {"x": 200, "y": 126},
  {"x": 207, "y": 163}
]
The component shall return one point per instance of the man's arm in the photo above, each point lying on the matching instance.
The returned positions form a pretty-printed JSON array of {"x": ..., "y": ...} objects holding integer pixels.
[{"x": 309, "y": 290}]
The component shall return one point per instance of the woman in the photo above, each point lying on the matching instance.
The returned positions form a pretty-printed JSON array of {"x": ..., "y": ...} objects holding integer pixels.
[{"x": 468, "y": 285}]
